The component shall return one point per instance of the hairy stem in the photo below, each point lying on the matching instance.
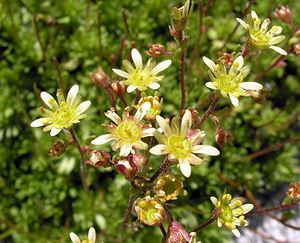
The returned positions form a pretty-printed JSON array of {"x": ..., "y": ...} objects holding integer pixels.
[
  {"x": 182, "y": 81},
  {"x": 205, "y": 224},
  {"x": 163, "y": 167},
  {"x": 129, "y": 206},
  {"x": 210, "y": 110}
]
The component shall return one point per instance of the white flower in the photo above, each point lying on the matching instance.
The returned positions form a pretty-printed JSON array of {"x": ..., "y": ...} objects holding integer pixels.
[
  {"x": 91, "y": 237},
  {"x": 259, "y": 34},
  {"x": 62, "y": 114},
  {"x": 140, "y": 77},
  {"x": 181, "y": 143},
  {"x": 230, "y": 83},
  {"x": 127, "y": 132}
]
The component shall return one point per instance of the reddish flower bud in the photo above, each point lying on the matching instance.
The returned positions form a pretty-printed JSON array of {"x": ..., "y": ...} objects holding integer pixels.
[
  {"x": 226, "y": 58},
  {"x": 222, "y": 137},
  {"x": 284, "y": 14},
  {"x": 297, "y": 49},
  {"x": 294, "y": 191},
  {"x": 177, "y": 234},
  {"x": 57, "y": 149},
  {"x": 99, "y": 78},
  {"x": 98, "y": 158},
  {"x": 156, "y": 50},
  {"x": 118, "y": 88},
  {"x": 280, "y": 64}
]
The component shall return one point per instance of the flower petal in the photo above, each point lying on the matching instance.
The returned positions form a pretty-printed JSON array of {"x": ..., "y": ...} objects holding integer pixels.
[
  {"x": 279, "y": 50},
  {"x": 158, "y": 149},
  {"x": 236, "y": 233},
  {"x": 121, "y": 73},
  {"x": 247, "y": 207},
  {"x": 83, "y": 107},
  {"x": 185, "y": 168},
  {"x": 209, "y": 63},
  {"x": 161, "y": 66},
  {"x": 210, "y": 85},
  {"x": 186, "y": 123},
  {"x": 125, "y": 150},
  {"x": 251, "y": 86},
  {"x": 149, "y": 132},
  {"x": 234, "y": 100},
  {"x": 92, "y": 235},
  {"x": 54, "y": 131},
  {"x": 72, "y": 94},
  {"x": 163, "y": 125},
  {"x": 154, "y": 86},
  {"x": 214, "y": 200},
  {"x": 74, "y": 238},
  {"x": 137, "y": 58},
  {"x": 131, "y": 88},
  {"x": 237, "y": 64},
  {"x": 141, "y": 112},
  {"x": 103, "y": 139},
  {"x": 113, "y": 116},
  {"x": 205, "y": 149},
  {"x": 39, "y": 122},
  {"x": 195, "y": 160},
  {"x": 49, "y": 100},
  {"x": 243, "y": 23}
]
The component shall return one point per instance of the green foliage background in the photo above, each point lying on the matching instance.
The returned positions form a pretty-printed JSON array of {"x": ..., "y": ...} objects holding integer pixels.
[{"x": 41, "y": 197}]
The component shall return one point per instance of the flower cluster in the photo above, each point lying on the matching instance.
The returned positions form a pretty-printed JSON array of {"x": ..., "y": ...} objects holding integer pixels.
[
  {"x": 260, "y": 35},
  {"x": 181, "y": 143},
  {"x": 62, "y": 114},
  {"x": 230, "y": 212},
  {"x": 230, "y": 83}
]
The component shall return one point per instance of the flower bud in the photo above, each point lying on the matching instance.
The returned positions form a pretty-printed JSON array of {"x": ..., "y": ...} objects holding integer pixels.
[
  {"x": 258, "y": 96},
  {"x": 294, "y": 191},
  {"x": 98, "y": 158},
  {"x": 131, "y": 165},
  {"x": 57, "y": 149},
  {"x": 180, "y": 15},
  {"x": 118, "y": 88},
  {"x": 177, "y": 234},
  {"x": 284, "y": 14},
  {"x": 168, "y": 187},
  {"x": 149, "y": 211},
  {"x": 222, "y": 137},
  {"x": 156, "y": 50},
  {"x": 280, "y": 64},
  {"x": 99, "y": 78},
  {"x": 297, "y": 49},
  {"x": 226, "y": 58},
  {"x": 155, "y": 109}
]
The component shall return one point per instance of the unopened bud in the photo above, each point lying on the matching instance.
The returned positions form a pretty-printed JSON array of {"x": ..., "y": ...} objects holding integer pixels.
[
  {"x": 156, "y": 50},
  {"x": 118, "y": 88},
  {"x": 226, "y": 58},
  {"x": 177, "y": 234},
  {"x": 294, "y": 191},
  {"x": 131, "y": 165},
  {"x": 297, "y": 49},
  {"x": 98, "y": 158},
  {"x": 259, "y": 96},
  {"x": 284, "y": 14},
  {"x": 222, "y": 137},
  {"x": 280, "y": 64},
  {"x": 99, "y": 78},
  {"x": 57, "y": 149}
]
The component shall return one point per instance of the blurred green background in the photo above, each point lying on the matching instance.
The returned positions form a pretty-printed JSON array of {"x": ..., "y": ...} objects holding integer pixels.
[{"x": 41, "y": 196}]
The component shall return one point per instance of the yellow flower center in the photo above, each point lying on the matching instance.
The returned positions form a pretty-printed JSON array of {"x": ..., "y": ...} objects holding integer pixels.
[
  {"x": 64, "y": 116},
  {"x": 229, "y": 83},
  {"x": 179, "y": 146},
  {"x": 129, "y": 131},
  {"x": 87, "y": 241},
  {"x": 141, "y": 78},
  {"x": 260, "y": 38}
]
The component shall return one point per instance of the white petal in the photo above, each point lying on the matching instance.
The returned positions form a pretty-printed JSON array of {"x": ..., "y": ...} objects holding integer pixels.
[
  {"x": 39, "y": 122},
  {"x": 140, "y": 145},
  {"x": 210, "y": 85},
  {"x": 149, "y": 132},
  {"x": 158, "y": 149},
  {"x": 247, "y": 208},
  {"x": 74, "y": 238},
  {"x": 120, "y": 73},
  {"x": 219, "y": 223},
  {"x": 236, "y": 232},
  {"x": 251, "y": 86},
  {"x": 102, "y": 139},
  {"x": 49, "y": 100},
  {"x": 141, "y": 112},
  {"x": 161, "y": 66},
  {"x": 54, "y": 131},
  {"x": 214, "y": 200},
  {"x": 163, "y": 125},
  {"x": 238, "y": 63},
  {"x": 205, "y": 149},
  {"x": 209, "y": 63},
  {"x": 186, "y": 122},
  {"x": 195, "y": 160},
  {"x": 125, "y": 150},
  {"x": 131, "y": 88},
  {"x": 185, "y": 168},
  {"x": 243, "y": 23},
  {"x": 72, "y": 94},
  {"x": 113, "y": 116},
  {"x": 92, "y": 235},
  {"x": 234, "y": 100},
  {"x": 279, "y": 50},
  {"x": 137, "y": 58},
  {"x": 154, "y": 86},
  {"x": 83, "y": 107},
  {"x": 254, "y": 15}
]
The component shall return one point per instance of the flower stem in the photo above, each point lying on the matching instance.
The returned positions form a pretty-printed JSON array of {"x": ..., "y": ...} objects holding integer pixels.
[
  {"x": 210, "y": 110},
  {"x": 205, "y": 224},
  {"x": 163, "y": 167},
  {"x": 129, "y": 206},
  {"x": 82, "y": 163},
  {"x": 182, "y": 81}
]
